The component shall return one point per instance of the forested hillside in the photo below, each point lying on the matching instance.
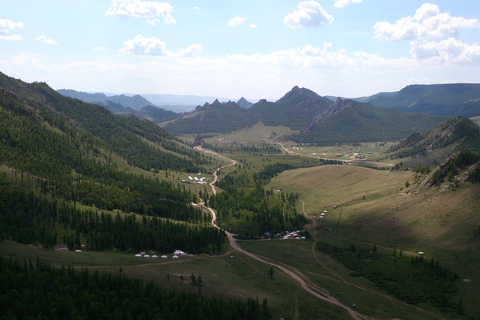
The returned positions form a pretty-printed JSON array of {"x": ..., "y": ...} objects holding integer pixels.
[
  {"x": 455, "y": 134},
  {"x": 36, "y": 290},
  {"x": 295, "y": 109},
  {"x": 351, "y": 121},
  {"x": 57, "y": 153},
  {"x": 215, "y": 117}
]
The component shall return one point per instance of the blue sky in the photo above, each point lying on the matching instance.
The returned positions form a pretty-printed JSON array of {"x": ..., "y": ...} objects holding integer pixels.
[{"x": 234, "y": 48}]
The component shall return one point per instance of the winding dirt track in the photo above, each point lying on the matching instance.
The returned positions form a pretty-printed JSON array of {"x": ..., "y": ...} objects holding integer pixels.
[{"x": 295, "y": 274}]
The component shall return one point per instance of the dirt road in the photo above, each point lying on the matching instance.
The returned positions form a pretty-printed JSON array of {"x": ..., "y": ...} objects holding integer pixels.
[
  {"x": 296, "y": 275},
  {"x": 212, "y": 184}
]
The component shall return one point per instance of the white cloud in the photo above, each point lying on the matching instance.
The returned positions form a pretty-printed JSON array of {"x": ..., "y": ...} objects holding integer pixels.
[
  {"x": 153, "y": 46},
  {"x": 237, "y": 21},
  {"x": 253, "y": 25},
  {"x": 141, "y": 9},
  {"x": 99, "y": 49},
  {"x": 427, "y": 22},
  {"x": 344, "y": 3},
  {"x": 309, "y": 14},
  {"x": 191, "y": 50},
  {"x": 44, "y": 39},
  {"x": 144, "y": 46},
  {"x": 6, "y": 27}
]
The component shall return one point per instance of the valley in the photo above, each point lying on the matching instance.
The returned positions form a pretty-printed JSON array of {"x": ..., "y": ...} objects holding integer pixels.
[{"x": 301, "y": 229}]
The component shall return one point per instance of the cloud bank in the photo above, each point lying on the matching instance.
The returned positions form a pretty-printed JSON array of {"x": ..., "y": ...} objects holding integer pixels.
[{"x": 428, "y": 22}]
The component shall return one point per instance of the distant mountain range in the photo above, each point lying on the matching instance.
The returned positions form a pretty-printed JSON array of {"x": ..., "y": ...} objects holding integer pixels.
[
  {"x": 145, "y": 109},
  {"x": 177, "y": 103},
  {"x": 135, "y": 102},
  {"x": 124, "y": 105},
  {"x": 315, "y": 119}
]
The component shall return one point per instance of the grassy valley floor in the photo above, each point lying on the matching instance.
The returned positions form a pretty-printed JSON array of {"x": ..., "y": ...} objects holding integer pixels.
[{"x": 374, "y": 207}]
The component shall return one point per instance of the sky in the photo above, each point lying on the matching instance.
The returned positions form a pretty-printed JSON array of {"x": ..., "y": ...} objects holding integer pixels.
[{"x": 233, "y": 48}]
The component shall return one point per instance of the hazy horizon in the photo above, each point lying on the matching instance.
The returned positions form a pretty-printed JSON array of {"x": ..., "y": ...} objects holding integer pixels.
[{"x": 347, "y": 48}]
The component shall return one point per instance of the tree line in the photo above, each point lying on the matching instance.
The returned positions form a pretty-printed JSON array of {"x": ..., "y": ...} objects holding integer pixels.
[
  {"x": 252, "y": 211},
  {"x": 411, "y": 279},
  {"x": 36, "y": 290},
  {"x": 28, "y": 217}
]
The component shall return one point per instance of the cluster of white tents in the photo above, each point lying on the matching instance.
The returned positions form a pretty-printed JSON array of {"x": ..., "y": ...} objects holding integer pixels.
[
  {"x": 196, "y": 179},
  {"x": 322, "y": 215},
  {"x": 176, "y": 254},
  {"x": 293, "y": 235},
  {"x": 147, "y": 256}
]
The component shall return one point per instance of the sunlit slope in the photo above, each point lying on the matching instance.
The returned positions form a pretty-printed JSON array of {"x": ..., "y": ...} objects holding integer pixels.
[
  {"x": 442, "y": 222},
  {"x": 377, "y": 207}
]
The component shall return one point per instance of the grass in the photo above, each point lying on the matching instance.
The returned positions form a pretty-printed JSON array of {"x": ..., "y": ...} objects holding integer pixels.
[
  {"x": 348, "y": 289},
  {"x": 253, "y": 135},
  {"x": 443, "y": 224},
  {"x": 238, "y": 277}
]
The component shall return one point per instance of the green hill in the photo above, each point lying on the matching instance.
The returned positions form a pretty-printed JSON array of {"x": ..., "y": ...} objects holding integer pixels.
[
  {"x": 440, "y": 99},
  {"x": 294, "y": 110},
  {"x": 215, "y": 117},
  {"x": 351, "y": 121},
  {"x": 68, "y": 166}
]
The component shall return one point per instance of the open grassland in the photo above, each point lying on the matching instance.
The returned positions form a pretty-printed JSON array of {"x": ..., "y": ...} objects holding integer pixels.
[
  {"x": 238, "y": 277},
  {"x": 339, "y": 185},
  {"x": 375, "y": 207},
  {"x": 252, "y": 135}
]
